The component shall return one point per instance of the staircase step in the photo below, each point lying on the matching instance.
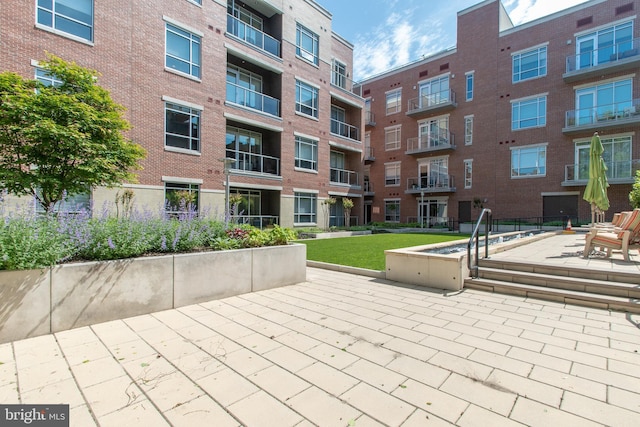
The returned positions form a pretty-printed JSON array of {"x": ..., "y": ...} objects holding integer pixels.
[
  {"x": 602, "y": 287},
  {"x": 588, "y": 299}
]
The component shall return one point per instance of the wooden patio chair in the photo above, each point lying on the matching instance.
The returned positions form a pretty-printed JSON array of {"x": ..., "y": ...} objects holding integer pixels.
[{"x": 624, "y": 238}]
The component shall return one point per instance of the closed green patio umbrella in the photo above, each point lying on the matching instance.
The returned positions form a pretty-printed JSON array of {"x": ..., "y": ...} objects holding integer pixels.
[{"x": 596, "y": 191}]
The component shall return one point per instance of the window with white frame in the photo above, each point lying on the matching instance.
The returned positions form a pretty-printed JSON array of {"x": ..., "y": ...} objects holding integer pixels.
[
  {"x": 246, "y": 16},
  {"x": 306, "y": 156},
  {"x": 392, "y": 138},
  {"x": 182, "y": 50},
  {"x": 468, "y": 173},
  {"x": 469, "y": 79},
  {"x": 181, "y": 198},
  {"x": 617, "y": 156},
  {"x": 46, "y": 78},
  {"x": 339, "y": 74},
  {"x": 604, "y": 101},
  {"x": 468, "y": 130},
  {"x": 392, "y": 210},
  {"x": 181, "y": 127},
  {"x": 435, "y": 91},
  {"x": 392, "y": 174},
  {"x": 394, "y": 101},
  {"x": 307, "y": 45},
  {"x": 605, "y": 45},
  {"x": 529, "y": 64},
  {"x": 306, "y": 99},
  {"x": 305, "y": 205},
  {"x": 69, "y": 17},
  {"x": 529, "y": 161},
  {"x": 529, "y": 113}
]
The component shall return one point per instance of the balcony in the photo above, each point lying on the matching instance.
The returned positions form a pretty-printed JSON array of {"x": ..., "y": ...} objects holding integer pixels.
[
  {"x": 368, "y": 154},
  {"x": 369, "y": 118},
  {"x": 254, "y": 163},
  {"x": 368, "y": 189},
  {"x": 621, "y": 172},
  {"x": 343, "y": 177},
  {"x": 602, "y": 117},
  {"x": 429, "y": 143},
  {"x": 431, "y": 184},
  {"x": 345, "y": 83},
  {"x": 251, "y": 99},
  {"x": 596, "y": 63},
  {"x": 344, "y": 130},
  {"x": 252, "y": 36},
  {"x": 427, "y": 104}
]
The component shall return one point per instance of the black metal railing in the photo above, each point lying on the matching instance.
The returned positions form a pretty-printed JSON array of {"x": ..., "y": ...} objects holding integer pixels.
[{"x": 472, "y": 263}]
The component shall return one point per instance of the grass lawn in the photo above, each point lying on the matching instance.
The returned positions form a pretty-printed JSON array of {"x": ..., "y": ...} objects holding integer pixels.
[{"x": 368, "y": 251}]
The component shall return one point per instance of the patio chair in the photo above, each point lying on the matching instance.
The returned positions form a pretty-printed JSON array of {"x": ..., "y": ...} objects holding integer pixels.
[
  {"x": 625, "y": 238},
  {"x": 616, "y": 222}
]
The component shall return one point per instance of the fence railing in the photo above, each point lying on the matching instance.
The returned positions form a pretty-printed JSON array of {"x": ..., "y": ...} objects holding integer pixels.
[
  {"x": 437, "y": 141},
  {"x": 431, "y": 100},
  {"x": 625, "y": 169},
  {"x": 603, "y": 114},
  {"x": 430, "y": 183},
  {"x": 252, "y": 99},
  {"x": 343, "y": 176},
  {"x": 253, "y": 36},
  {"x": 254, "y": 162},
  {"x": 604, "y": 55},
  {"x": 344, "y": 129}
]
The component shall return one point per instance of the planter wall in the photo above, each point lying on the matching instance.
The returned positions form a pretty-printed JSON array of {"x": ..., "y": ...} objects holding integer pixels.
[{"x": 38, "y": 302}]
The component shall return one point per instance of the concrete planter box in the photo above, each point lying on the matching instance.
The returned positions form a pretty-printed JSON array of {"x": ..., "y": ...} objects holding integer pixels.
[
  {"x": 38, "y": 302},
  {"x": 333, "y": 234}
]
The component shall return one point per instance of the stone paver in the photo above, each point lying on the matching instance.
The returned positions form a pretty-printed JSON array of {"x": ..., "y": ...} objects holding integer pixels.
[{"x": 340, "y": 350}]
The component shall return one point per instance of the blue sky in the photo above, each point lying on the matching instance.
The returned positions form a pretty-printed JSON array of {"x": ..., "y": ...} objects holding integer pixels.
[{"x": 391, "y": 33}]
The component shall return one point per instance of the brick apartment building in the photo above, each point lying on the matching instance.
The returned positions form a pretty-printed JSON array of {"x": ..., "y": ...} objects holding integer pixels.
[
  {"x": 504, "y": 119},
  {"x": 263, "y": 82}
]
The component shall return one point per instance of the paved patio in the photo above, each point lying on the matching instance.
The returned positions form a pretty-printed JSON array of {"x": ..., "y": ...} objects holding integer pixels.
[{"x": 340, "y": 350}]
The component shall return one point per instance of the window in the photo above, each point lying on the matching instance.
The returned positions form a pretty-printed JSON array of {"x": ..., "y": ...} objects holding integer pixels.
[
  {"x": 392, "y": 210},
  {"x": 69, "y": 204},
  {"x": 246, "y": 16},
  {"x": 468, "y": 130},
  {"x": 529, "y": 113},
  {"x": 306, "y": 153},
  {"x": 530, "y": 64},
  {"x": 434, "y": 133},
  {"x": 246, "y": 147},
  {"x": 306, "y": 99},
  {"x": 306, "y": 44},
  {"x": 394, "y": 99},
  {"x": 392, "y": 174},
  {"x": 339, "y": 74},
  {"x": 469, "y": 87},
  {"x": 47, "y": 79},
  {"x": 605, "y": 45},
  {"x": 182, "y": 51},
  {"x": 392, "y": 138},
  {"x": 435, "y": 91},
  {"x": 604, "y": 102},
  {"x": 434, "y": 173},
  {"x": 181, "y": 198},
  {"x": 305, "y": 208},
  {"x": 529, "y": 161},
  {"x": 468, "y": 173},
  {"x": 182, "y": 127},
  {"x": 73, "y": 17},
  {"x": 616, "y": 155}
]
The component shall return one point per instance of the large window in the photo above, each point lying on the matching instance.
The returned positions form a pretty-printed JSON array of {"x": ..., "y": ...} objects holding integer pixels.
[
  {"x": 246, "y": 148},
  {"x": 530, "y": 64},
  {"x": 306, "y": 44},
  {"x": 435, "y": 91},
  {"x": 468, "y": 130},
  {"x": 69, "y": 204},
  {"x": 182, "y": 127},
  {"x": 392, "y": 174},
  {"x": 392, "y": 138},
  {"x": 468, "y": 173},
  {"x": 604, "y": 102},
  {"x": 181, "y": 198},
  {"x": 394, "y": 100},
  {"x": 616, "y": 156},
  {"x": 306, "y": 153},
  {"x": 306, "y": 99},
  {"x": 605, "y": 45},
  {"x": 339, "y": 74},
  {"x": 529, "y": 161},
  {"x": 182, "y": 51},
  {"x": 469, "y": 86},
  {"x": 305, "y": 208},
  {"x": 73, "y": 17},
  {"x": 46, "y": 78},
  {"x": 434, "y": 132},
  {"x": 392, "y": 210},
  {"x": 529, "y": 113}
]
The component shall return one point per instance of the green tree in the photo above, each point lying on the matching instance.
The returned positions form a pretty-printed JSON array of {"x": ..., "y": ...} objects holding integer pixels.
[
  {"x": 62, "y": 139},
  {"x": 634, "y": 195}
]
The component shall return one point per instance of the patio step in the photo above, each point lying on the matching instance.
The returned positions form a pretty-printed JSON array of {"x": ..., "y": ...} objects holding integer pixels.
[{"x": 613, "y": 291}]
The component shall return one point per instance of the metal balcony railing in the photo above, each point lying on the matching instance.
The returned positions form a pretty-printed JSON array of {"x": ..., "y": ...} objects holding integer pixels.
[
  {"x": 369, "y": 118},
  {"x": 253, "y": 36},
  {"x": 624, "y": 171},
  {"x": 368, "y": 153},
  {"x": 437, "y": 141},
  {"x": 345, "y": 130},
  {"x": 342, "y": 176},
  {"x": 252, "y": 99},
  {"x": 258, "y": 163},
  {"x": 604, "y": 55},
  {"x": 431, "y": 100},
  {"x": 368, "y": 187},
  {"x": 345, "y": 83},
  {"x": 436, "y": 182},
  {"x": 604, "y": 114}
]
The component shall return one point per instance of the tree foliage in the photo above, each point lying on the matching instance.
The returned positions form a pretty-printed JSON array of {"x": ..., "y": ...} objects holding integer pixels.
[
  {"x": 62, "y": 139},
  {"x": 634, "y": 195}
]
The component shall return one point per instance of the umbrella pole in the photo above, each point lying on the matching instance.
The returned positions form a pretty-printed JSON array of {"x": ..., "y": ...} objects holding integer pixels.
[{"x": 593, "y": 214}]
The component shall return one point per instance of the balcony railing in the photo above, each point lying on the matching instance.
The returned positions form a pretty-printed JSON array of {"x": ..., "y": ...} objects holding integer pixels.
[
  {"x": 433, "y": 101},
  {"x": 368, "y": 153},
  {"x": 369, "y": 118},
  {"x": 443, "y": 140},
  {"x": 252, "y": 99},
  {"x": 260, "y": 221},
  {"x": 253, "y": 36},
  {"x": 257, "y": 163},
  {"x": 345, "y": 83},
  {"x": 604, "y": 115},
  {"x": 609, "y": 55},
  {"x": 620, "y": 172},
  {"x": 344, "y": 129},
  {"x": 343, "y": 176},
  {"x": 434, "y": 183}
]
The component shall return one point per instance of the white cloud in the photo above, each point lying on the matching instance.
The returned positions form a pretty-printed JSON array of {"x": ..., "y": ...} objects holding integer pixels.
[{"x": 522, "y": 11}]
